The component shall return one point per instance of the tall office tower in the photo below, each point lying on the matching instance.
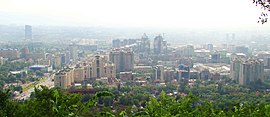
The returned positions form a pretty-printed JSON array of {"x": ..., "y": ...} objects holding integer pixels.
[
  {"x": 215, "y": 58},
  {"x": 63, "y": 59},
  {"x": 247, "y": 71},
  {"x": 158, "y": 44},
  {"x": 67, "y": 60},
  {"x": 73, "y": 52},
  {"x": 251, "y": 71},
  {"x": 145, "y": 44},
  {"x": 210, "y": 47},
  {"x": 164, "y": 47},
  {"x": 159, "y": 75},
  {"x": 56, "y": 62},
  {"x": 123, "y": 59},
  {"x": 28, "y": 32},
  {"x": 189, "y": 51},
  {"x": 235, "y": 70}
]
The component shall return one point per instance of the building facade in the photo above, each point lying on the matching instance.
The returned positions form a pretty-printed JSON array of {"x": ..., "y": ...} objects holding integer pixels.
[
  {"x": 123, "y": 59},
  {"x": 158, "y": 44},
  {"x": 247, "y": 71},
  {"x": 159, "y": 73},
  {"x": 28, "y": 32},
  {"x": 10, "y": 54},
  {"x": 144, "y": 45},
  {"x": 88, "y": 71}
]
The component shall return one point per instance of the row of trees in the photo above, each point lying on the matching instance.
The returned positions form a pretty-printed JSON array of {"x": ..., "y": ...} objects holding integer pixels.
[
  {"x": 56, "y": 103},
  {"x": 48, "y": 103},
  {"x": 221, "y": 96}
]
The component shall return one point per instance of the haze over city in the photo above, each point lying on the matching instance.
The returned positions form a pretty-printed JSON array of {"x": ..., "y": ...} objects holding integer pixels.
[{"x": 133, "y": 58}]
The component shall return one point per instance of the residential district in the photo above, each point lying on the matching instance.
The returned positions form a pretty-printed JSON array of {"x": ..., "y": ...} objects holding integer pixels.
[{"x": 82, "y": 63}]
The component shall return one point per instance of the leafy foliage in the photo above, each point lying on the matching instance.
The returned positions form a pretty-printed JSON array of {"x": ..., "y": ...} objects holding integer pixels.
[
  {"x": 192, "y": 106},
  {"x": 203, "y": 100},
  {"x": 265, "y": 6},
  {"x": 47, "y": 103},
  {"x": 5, "y": 68}
]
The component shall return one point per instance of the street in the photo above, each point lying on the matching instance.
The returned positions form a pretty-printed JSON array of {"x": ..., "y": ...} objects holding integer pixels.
[{"x": 26, "y": 94}]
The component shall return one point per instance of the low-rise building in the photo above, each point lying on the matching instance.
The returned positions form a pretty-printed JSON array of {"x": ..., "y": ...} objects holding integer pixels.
[
  {"x": 10, "y": 53},
  {"x": 126, "y": 76},
  {"x": 43, "y": 68}
]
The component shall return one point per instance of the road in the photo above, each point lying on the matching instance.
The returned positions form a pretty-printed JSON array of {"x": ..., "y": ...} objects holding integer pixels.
[{"x": 26, "y": 94}]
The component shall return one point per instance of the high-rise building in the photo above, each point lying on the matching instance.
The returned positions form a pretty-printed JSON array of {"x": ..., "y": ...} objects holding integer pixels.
[
  {"x": 79, "y": 74},
  {"x": 183, "y": 71},
  {"x": 56, "y": 62},
  {"x": 247, "y": 71},
  {"x": 251, "y": 71},
  {"x": 235, "y": 70},
  {"x": 158, "y": 44},
  {"x": 215, "y": 58},
  {"x": 63, "y": 59},
  {"x": 64, "y": 78},
  {"x": 266, "y": 58},
  {"x": 189, "y": 51},
  {"x": 210, "y": 47},
  {"x": 123, "y": 59},
  {"x": 159, "y": 73},
  {"x": 169, "y": 74},
  {"x": 145, "y": 44},
  {"x": 73, "y": 52},
  {"x": 28, "y": 32},
  {"x": 67, "y": 58},
  {"x": 96, "y": 68}
]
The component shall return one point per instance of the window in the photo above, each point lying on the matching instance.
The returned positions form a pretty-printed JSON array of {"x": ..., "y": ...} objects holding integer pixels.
[
  {"x": 98, "y": 75},
  {"x": 97, "y": 63}
]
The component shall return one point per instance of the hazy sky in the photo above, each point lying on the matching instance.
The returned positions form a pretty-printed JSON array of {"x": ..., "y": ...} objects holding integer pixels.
[{"x": 139, "y": 13}]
